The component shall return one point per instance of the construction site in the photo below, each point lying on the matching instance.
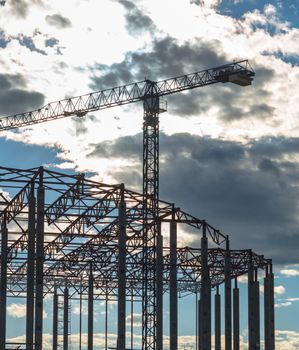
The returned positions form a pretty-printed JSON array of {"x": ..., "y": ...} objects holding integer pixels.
[{"x": 73, "y": 238}]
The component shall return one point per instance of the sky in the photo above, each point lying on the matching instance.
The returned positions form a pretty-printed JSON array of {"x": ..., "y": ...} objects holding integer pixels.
[{"x": 228, "y": 154}]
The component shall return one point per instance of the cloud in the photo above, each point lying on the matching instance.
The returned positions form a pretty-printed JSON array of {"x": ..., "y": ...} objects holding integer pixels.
[
  {"x": 279, "y": 290},
  {"x": 14, "y": 98},
  {"x": 136, "y": 21},
  {"x": 16, "y": 310},
  {"x": 289, "y": 272},
  {"x": 20, "y": 8},
  {"x": 58, "y": 21},
  {"x": 247, "y": 190}
]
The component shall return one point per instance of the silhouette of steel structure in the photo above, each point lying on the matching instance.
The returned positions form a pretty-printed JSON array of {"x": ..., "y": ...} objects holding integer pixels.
[
  {"x": 127, "y": 221},
  {"x": 65, "y": 234}
]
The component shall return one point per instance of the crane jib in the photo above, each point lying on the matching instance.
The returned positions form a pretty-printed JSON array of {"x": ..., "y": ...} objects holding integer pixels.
[{"x": 240, "y": 73}]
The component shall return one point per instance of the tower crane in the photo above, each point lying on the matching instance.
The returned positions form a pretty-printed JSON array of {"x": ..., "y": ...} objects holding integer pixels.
[{"x": 150, "y": 93}]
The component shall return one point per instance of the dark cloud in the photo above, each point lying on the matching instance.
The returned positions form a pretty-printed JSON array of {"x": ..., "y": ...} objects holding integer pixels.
[
  {"x": 3, "y": 39},
  {"x": 58, "y": 21},
  {"x": 248, "y": 191},
  {"x": 14, "y": 98},
  {"x": 136, "y": 21},
  {"x": 168, "y": 58},
  {"x": 20, "y": 8}
]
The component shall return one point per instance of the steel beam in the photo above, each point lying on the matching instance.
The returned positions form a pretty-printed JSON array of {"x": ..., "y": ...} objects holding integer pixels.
[
  {"x": 159, "y": 288},
  {"x": 3, "y": 286},
  {"x": 66, "y": 318},
  {"x": 271, "y": 310},
  {"x": 173, "y": 288},
  {"x": 236, "y": 318},
  {"x": 55, "y": 321},
  {"x": 205, "y": 295},
  {"x": 251, "y": 309},
  {"x": 90, "y": 311},
  {"x": 217, "y": 320},
  {"x": 256, "y": 291},
  {"x": 30, "y": 270},
  {"x": 39, "y": 265},
  {"x": 121, "y": 330},
  {"x": 228, "y": 298}
]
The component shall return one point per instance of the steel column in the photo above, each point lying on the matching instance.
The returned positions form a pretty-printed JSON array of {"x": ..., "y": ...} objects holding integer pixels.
[
  {"x": 217, "y": 320},
  {"x": 236, "y": 318},
  {"x": 205, "y": 295},
  {"x": 199, "y": 333},
  {"x": 39, "y": 277},
  {"x": 66, "y": 318},
  {"x": 121, "y": 330},
  {"x": 173, "y": 288},
  {"x": 90, "y": 311},
  {"x": 159, "y": 288},
  {"x": 3, "y": 286},
  {"x": 30, "y": 270},
  {"x": 228, "y": 298},
  {"x": 55, "y": 321}
]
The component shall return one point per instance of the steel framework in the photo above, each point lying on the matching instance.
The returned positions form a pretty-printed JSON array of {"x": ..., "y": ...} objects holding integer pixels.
[{"x": 78, "y": 237}]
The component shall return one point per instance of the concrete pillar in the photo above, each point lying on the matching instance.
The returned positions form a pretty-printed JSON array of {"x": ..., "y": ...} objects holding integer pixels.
[
  {"x": 30, "y": 270},
  {"x": 159, "y": 290},
  {"x": 173, "y": 288},
  {"x": 205, "y": 296},
  {"x": 266, "y": 311},
  {"x": 199, "y": 335},
  {"x": 256, "y": 291},
  {"x": 217, "y": 320},
  {"x": 236, "y": 318},
  {"x": 39, "y": 276},
  {"x": 228, "y": 298},
  {"x": 271, "y": 310},
  {"x": 90, "y": 311},
  {"x": 121, "y": 330},
  {"x": 3, "y": 286},
  {"x": 55, "y": 321},
  {"x": 66, "y": 318},
  {"x": 251, "y": 309}
]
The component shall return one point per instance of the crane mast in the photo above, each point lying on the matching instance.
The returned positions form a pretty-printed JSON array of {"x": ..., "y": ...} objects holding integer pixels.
[{"x": 150, "y": 93}]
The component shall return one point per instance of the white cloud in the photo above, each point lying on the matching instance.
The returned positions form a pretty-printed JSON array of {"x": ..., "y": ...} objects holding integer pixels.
[
  {"x": 289, "y": 272},
  {"x": 279, "y": 290},
  {"x": 16, "y": 310}
]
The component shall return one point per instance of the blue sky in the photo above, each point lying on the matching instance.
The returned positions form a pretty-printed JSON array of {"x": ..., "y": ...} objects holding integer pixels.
[{"x": 228, "y": 154}]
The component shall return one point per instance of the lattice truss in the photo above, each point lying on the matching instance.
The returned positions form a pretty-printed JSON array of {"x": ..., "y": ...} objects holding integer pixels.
[{"x": 81, "y": 225}]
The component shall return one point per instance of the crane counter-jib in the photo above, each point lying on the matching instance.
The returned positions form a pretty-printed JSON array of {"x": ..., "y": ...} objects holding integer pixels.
[{"x": 240, "y": 73}]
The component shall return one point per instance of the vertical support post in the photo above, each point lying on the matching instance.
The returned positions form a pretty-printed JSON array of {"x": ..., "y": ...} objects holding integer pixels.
[
  {"x": 90, "y": 311},
  {"x": 30, "y": 270},
  {"x": 236, "y": 318},
  {"x": 199, "y": 336},
  {"x": 217, "y": 320},
  {"x": 3, "y": 286},
  {"x": 228, "y": 298},
  {"x": 196, "y": 321},
  {"x": 256, "y": 291},
  {"x": 66, "y": 318},
  {"x": 39, "y": 275},
  {"x": 173, "y": 288},
  {"x": 266, "y": 310},
  {"x": 205, "y": 295},
  {"x": 132, "y": 318},
  {"x": 55, "y": 321},
  {"x": 159, "y": 289},
  {"x": 106, "y": 318},
  {"x": 271, "y": 310},
  {"x": 121, "y": 331},
  {"x": 251, "y": 309},
  {"x": 80, "y": 318}
]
